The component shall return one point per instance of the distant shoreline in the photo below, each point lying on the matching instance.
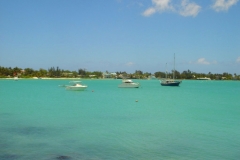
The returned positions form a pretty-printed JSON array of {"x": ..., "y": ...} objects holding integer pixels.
[
  {"x": 33, "y": 78},
  {"x": 42, "y": 78},
  {"x": 58, "y": 78}
]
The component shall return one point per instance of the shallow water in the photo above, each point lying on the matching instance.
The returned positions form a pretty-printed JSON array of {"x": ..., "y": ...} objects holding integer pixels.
[{"x": 198, "y": 120}]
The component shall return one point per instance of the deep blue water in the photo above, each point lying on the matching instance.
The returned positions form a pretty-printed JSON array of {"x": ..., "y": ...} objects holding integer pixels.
[{"x": 198, "y": 120}]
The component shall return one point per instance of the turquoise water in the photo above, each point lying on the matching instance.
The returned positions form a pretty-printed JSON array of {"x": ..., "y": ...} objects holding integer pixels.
[{"x": 198, "y": 120}]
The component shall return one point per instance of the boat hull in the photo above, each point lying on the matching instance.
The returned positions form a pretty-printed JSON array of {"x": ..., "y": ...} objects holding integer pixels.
[
  {"x": 128, "y": 86},
  {"x": 171, "y": 84},
  {"x": 76, "y": 88},
  {"x": 204, "y": 79}
]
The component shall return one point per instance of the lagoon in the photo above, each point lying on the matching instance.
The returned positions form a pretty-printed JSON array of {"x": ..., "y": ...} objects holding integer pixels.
[{"x": 198, "y": 120}]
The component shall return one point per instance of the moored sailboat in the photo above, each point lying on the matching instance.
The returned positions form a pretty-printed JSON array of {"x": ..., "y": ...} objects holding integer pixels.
[{"x": 170, "y": 82}]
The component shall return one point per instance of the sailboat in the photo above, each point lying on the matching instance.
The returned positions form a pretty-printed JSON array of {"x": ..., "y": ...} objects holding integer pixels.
[{"x": 170, "y": 82}]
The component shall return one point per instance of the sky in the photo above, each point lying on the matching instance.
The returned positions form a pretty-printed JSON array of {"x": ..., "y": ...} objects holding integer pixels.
[{"x": 121, "y": 35}]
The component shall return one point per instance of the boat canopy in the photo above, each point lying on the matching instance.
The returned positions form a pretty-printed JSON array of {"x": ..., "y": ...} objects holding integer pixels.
[
  {"x": 127, "y": 81},
  {"x": 75, "y": 82}
]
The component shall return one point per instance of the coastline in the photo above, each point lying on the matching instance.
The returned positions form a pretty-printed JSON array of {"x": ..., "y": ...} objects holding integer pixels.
[
  {"x": 42, "y": 78},
  {"x": 47, "y": 78}
]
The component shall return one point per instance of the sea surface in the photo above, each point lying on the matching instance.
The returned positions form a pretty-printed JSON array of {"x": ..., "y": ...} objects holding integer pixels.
[{"x": 199, "y": 120}]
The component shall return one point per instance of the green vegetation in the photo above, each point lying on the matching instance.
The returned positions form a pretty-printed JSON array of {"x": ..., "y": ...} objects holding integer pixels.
[{"x": 82, "y": 73}]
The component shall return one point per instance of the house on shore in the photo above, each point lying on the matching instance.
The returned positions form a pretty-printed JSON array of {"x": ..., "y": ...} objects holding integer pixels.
[{"x": 107, "y": 75}]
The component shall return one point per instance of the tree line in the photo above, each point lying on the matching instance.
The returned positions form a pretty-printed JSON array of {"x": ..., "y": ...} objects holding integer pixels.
[{"x": 52, "y": 72}]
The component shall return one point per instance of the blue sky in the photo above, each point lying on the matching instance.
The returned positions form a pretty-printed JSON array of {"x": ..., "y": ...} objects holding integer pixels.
[{"x": 121, "y": 35}]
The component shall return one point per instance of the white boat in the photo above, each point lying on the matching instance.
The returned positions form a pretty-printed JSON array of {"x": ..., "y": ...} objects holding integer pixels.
[
  {"x": 76, "y": 86},
  {"x": 127, "y": 83},
  {"x": 205, "y": 78},
  {"x": 15, "y": 78}
]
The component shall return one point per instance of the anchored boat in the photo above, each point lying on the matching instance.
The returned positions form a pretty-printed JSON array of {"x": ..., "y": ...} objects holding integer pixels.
[
  {"x": 76, "y": 86},
  {"x": 127, "y": 83},
  {"x": 170, "y": 82}
]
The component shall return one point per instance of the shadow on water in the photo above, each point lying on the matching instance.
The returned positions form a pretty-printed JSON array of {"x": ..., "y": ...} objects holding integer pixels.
[
  {"x": 33, "y": 131},
  {"x": 28, "y": 131},
  {"x": 9, "y": 157},
  {"x": 5, "y": 114},
  {"x": 18, "y": 157},
  {"x": 63, "y": 158},
  {"x": 13, "y": 149}
]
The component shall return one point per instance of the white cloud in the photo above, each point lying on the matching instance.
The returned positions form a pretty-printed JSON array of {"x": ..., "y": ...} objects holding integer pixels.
[
  {"x": 129, "y": 64},
  {"x": 158, "y": 5},
  {"x": 149, "y": 12},
  {"x": 189, "y": 9},
  {"x": 162, "y": 5},
  {"x": 203, "y": 61},
  {"x": 223, "y": 5},
  {"x": 238, "y": 60},
  {"x": 186, "y": 8}
]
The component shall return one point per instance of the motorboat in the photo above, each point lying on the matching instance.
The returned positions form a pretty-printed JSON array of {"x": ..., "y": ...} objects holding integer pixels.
[
  {"x": 76, "y": 86},
  {"x": 205, "y": 78},
  {"x": 128, "y": 83},
  {"x": 170, "y": 82}
]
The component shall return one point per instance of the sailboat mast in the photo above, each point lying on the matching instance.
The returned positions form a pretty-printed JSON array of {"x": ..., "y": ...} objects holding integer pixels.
[
  {"x": 174, "y": 68},
  {"x": 166, "y": 70}
]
